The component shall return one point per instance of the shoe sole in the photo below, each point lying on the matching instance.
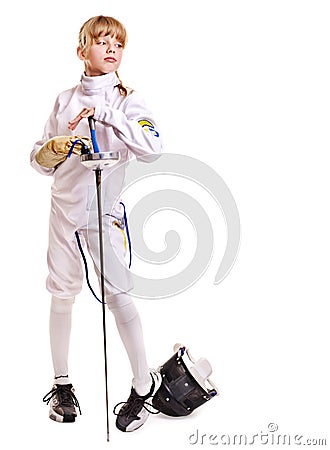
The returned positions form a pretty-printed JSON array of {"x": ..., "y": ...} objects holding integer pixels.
[{"x": 67, "y": 418}]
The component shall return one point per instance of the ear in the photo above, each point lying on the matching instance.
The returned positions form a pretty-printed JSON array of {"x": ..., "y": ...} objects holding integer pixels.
[{"x": 80, "y": 54}]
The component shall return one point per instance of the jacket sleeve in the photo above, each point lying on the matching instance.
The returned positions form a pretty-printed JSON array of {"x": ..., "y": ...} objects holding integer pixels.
[
  {"x": 134, "y": 125},
  {"x": 49, "y": 132}
]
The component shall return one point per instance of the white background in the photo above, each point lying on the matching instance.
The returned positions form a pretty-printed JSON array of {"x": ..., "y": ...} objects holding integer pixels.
[{"x": 244, "y": 87}]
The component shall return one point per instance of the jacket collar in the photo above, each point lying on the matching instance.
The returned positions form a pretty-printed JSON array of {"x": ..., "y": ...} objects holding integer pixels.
[{"x": 93, "y": 85}]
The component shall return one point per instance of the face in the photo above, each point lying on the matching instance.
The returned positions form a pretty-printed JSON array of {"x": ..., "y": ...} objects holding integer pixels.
[{"x": 104, "y": 56}]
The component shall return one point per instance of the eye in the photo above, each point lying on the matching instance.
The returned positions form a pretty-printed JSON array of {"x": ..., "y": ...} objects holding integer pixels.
[
  {"x": 119, "y": 45},
  {"x": 101, "y": 43}
]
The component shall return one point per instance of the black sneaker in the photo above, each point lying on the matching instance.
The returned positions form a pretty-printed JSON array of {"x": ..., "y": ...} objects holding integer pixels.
[
  {"x": 62, "y": 403},
  {"x": 135, "y": 411}
]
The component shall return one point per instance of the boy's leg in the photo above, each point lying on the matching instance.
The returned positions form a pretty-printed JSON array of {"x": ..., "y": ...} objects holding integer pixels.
[
  {"x": 130, "y": 330},
  {"x": 135, "y": 411},
  {"x": 61, "y": 398},
  {"x": 64, "y": 282},
  {"x": 60, "y": 330},
  {"x": 118, "y": 282}
]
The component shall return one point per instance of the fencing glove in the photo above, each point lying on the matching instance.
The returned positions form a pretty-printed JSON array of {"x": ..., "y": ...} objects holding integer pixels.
[{"x": 56, "y": 150}]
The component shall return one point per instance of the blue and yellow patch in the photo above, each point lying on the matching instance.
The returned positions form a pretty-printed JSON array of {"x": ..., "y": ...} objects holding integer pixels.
[{"x": 148, "y": 127}]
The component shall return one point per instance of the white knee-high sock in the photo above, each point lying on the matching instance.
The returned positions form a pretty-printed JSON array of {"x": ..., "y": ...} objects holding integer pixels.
[
  {"x": 59, "y": 331},
  {"x": 130, "y": 330}
]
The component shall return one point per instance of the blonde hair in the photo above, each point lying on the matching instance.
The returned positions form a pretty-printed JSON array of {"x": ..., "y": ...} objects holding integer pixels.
[{"x": 98, "y": 26}]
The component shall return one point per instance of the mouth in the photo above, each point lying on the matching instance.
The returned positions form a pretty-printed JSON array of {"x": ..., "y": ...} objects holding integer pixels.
[{"x": 110, "y": 59}]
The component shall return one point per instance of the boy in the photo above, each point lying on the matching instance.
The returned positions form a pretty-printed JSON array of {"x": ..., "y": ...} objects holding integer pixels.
[{"x": 121, "y": 117}]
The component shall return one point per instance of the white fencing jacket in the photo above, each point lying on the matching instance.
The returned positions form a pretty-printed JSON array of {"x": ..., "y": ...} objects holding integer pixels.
[{"x": 123, "y": 124}]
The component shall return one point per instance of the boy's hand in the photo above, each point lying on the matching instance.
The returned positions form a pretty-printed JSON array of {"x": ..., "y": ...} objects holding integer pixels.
[
  {"x": 86, "y": 112},
  {"x": 56, "y": 150}
]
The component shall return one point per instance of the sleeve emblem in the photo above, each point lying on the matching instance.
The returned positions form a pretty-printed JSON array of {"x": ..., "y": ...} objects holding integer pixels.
[{"x": 148, "y": 127}]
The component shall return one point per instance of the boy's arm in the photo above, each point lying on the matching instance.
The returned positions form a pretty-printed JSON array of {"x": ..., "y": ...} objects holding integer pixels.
[
  {"x": 49, "y": 132},
  {"x": 134, "y": 126}
]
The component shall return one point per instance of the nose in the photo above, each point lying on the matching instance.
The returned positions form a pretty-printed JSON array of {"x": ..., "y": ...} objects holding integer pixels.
[{"x": 110, "y": 49}]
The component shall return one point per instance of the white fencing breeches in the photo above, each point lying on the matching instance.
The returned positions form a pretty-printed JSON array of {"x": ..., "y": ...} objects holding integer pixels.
[
  {"x": 65, "y": 264},
  {"x": 65, "y": 281}
]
